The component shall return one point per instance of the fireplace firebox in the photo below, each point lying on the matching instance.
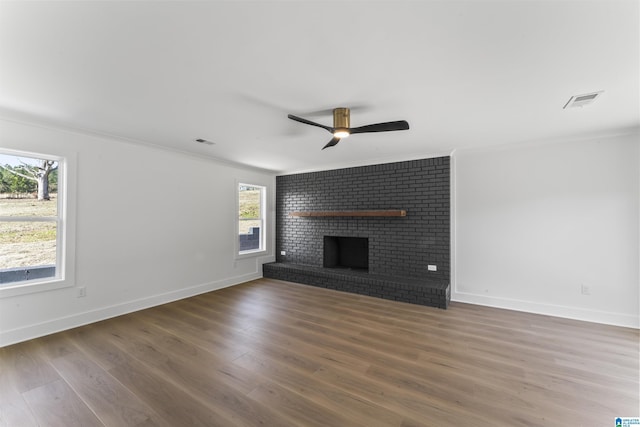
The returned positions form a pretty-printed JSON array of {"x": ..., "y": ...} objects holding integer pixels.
[{"x": 346, "y": 252}]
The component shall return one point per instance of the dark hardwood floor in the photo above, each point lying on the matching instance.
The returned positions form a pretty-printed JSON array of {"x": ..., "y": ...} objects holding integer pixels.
[{"x": 272, "y": 353}]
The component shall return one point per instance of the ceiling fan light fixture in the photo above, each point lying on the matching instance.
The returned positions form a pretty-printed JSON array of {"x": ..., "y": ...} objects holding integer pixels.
[
  {"x": 341, "y": 133},
  {"x": 341, "y": 122}
]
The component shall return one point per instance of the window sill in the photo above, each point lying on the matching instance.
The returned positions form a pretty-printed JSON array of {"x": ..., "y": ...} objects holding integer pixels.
[
  {"x": 251, "y": 254},
  {"x": 33, "y": 286}
]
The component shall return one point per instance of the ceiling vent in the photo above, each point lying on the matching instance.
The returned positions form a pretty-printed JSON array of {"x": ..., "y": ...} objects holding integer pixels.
[{"x": 582, "y": 100}]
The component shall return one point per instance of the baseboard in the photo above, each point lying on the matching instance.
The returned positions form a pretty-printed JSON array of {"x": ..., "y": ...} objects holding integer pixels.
[
  {"x": 17, "y": 335},
  {"x": 576, "y": 313}
]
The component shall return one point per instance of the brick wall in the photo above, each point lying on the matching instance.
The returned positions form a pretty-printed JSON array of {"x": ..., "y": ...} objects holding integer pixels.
[{"x": 398, "y": 246}]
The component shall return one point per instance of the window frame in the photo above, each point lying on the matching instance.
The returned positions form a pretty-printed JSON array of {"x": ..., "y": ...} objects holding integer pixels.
[
  {"x": 65, "y": 228},
  {"x": 263, "y": 220}
]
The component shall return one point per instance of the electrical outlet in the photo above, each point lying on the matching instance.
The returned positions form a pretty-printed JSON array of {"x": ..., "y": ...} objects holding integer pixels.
[
  {"x": 584, "y": 290},
  {"x": 431, "y": 267},
  {"x": 283, "y": 253},
  {"x": 82, "y": 292}
]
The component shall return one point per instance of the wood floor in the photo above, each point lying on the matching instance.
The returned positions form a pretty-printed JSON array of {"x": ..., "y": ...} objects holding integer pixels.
[{"x": 272, "y": 353}]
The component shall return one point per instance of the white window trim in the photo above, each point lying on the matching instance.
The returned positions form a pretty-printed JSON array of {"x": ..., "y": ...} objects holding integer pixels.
[
  {"x": 263, "y": 230},
  {"x": 65, "y": 230}
]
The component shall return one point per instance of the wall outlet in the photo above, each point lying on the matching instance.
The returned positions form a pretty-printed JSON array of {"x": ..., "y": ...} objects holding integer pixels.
[
  {"x": 584, "y": 290},
  {"x": 82, "y": 292},
  {"x": 431, "y": 267},
  {"x": 283, "y": 253}
]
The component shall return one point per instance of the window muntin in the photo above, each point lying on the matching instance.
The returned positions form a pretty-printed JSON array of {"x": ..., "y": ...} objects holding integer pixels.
[
  {"x": 32, "y": 237},
  {"x": 251, "y": 218}
]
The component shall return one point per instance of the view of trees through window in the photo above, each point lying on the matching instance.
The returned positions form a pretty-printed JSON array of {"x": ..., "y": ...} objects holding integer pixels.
[
  {"x": 28, "y": 214},
  {"x": 250, "y": 224}
]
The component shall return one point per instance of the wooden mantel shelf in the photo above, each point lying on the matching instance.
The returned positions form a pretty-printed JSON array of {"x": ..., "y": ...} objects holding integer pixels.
[{"x": 387, "y": 212}]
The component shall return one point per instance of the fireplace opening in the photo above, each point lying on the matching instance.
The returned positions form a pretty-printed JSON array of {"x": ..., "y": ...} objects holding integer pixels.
[{"x": 346, "y": 252}]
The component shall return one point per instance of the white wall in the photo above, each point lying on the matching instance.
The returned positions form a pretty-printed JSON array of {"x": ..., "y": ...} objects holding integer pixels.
[
  {"x": 533, "y": 224},
  {"x": 152, "y": 226}
]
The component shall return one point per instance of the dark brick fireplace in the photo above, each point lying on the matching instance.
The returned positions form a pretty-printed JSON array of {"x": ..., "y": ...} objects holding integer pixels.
[
  {"x": 346, "y": 252},
  {"x": 398, "y": 248}
]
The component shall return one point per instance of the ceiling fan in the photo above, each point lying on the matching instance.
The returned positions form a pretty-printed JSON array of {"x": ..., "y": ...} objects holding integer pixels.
[{"x": 341, "y": 129}]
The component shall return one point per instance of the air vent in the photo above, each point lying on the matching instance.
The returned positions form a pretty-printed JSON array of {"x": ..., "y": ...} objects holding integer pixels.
[
  {"x": 204, "y": 141},
  {"x": 582, "y": 100}
]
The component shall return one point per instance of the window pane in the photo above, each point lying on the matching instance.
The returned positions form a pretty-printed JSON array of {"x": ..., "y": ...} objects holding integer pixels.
[
  {"x": 28, "y": 250},
  {"x": 250, "y": 220},
  {"x": 249, "y": 202},
  {"x": 247, "y": 225},
  {"x": 11, "y": 206},
  {"x": 24, "y": 181},
  {"x": 250, "y": 231}
]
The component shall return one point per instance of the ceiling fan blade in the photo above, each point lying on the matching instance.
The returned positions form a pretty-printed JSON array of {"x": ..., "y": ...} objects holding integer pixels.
[
  {"x": 331, "y": 143},
  {"x": 309, "y": 122},
  {"x": 381, "y": 127}
]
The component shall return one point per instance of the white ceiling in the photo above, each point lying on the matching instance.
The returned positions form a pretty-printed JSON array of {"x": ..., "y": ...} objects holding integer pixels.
[{"x": 463, "y": 74}]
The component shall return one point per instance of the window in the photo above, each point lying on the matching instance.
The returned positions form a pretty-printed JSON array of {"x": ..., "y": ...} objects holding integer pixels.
[
  {"x": 32, "y": 223},
  {"x": 251, "y": 209}
]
